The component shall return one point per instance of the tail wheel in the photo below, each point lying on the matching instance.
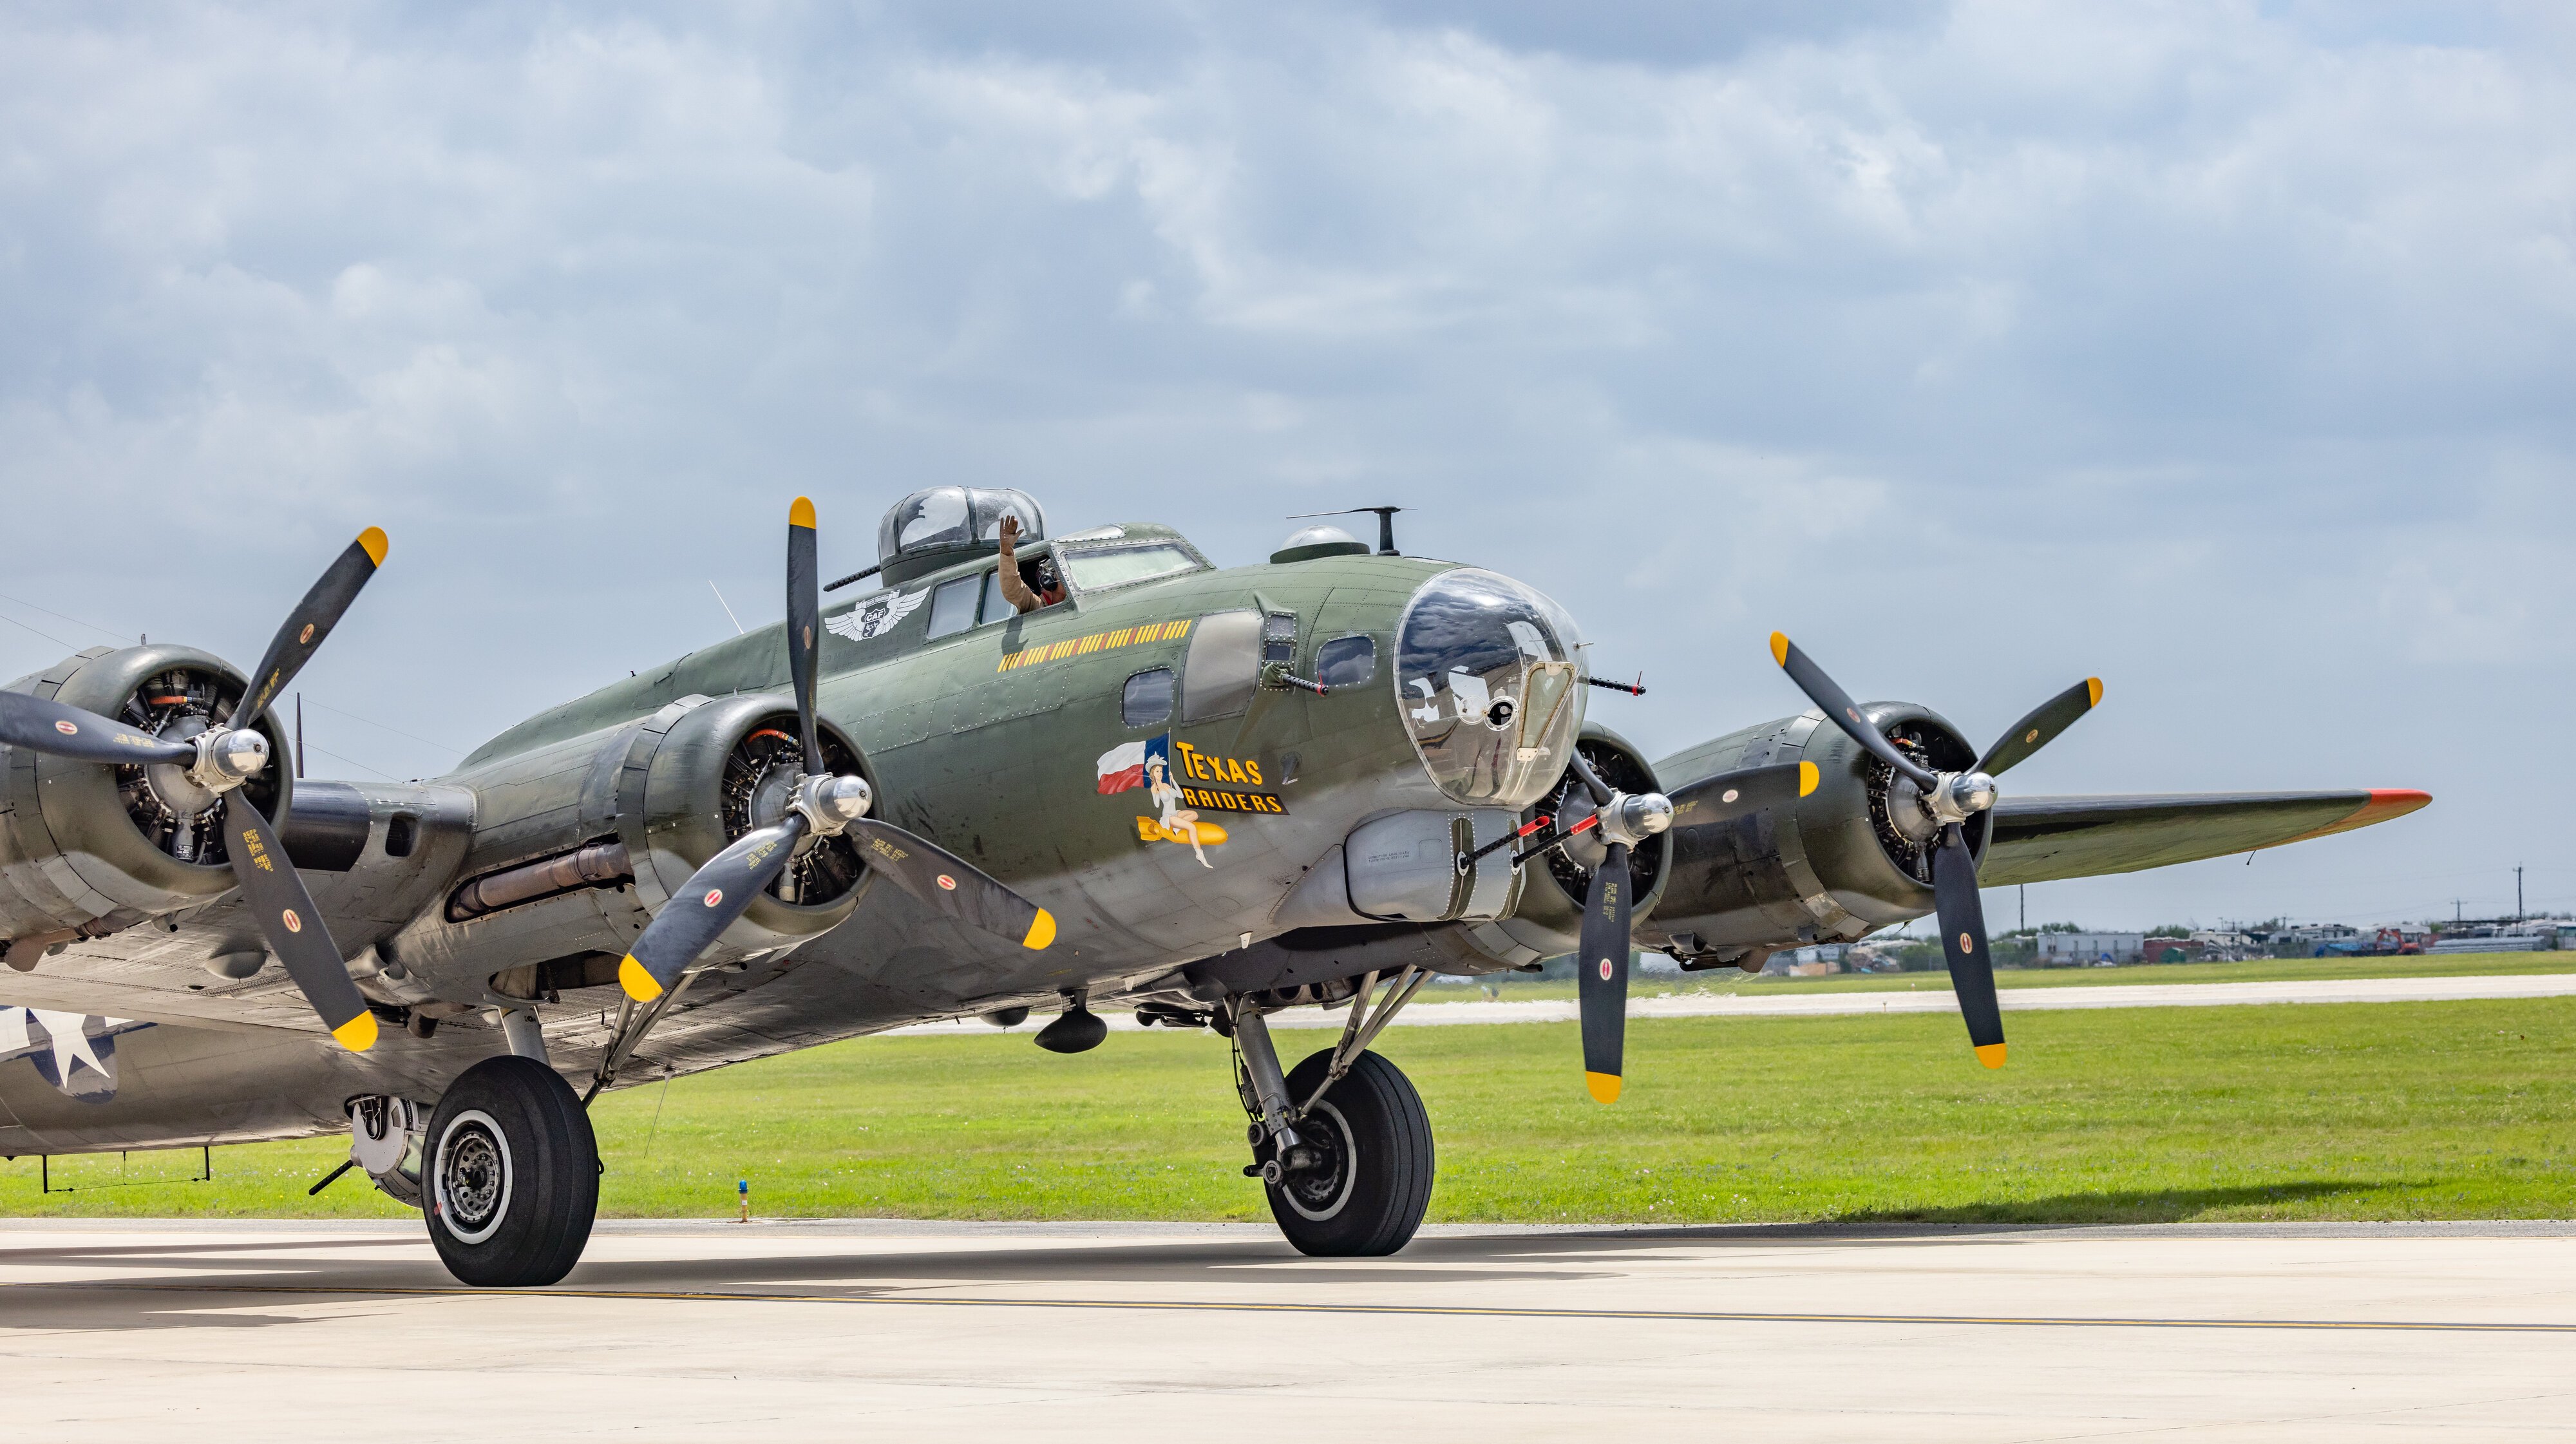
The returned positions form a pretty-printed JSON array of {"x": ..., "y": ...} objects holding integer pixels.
[
  {"x": 1367, "y": 1196},
  {"x": 510, "y": 1175}
]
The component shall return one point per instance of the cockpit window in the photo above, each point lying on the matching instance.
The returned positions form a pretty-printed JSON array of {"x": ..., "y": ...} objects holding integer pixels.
[
  {"x": 1486, "y": 671},
  {"x": 1093, "y": 570}
]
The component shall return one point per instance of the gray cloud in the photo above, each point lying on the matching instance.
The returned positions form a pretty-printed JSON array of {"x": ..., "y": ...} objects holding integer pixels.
[{"x": 2219, "y": 350}]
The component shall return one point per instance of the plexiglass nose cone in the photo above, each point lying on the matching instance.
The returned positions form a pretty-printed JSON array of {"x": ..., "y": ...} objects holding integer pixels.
[{"x": 1486, "y": 677}]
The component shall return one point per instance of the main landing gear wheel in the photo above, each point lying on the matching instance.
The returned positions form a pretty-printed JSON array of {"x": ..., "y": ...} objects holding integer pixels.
[
  {"x": 511, "y": 1174},
  {"x": 1367, "y": 1193}
]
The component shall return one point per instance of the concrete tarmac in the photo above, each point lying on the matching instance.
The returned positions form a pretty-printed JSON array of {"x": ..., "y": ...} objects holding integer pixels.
[
  {"x": 841, "y": 1330},
  {"x": 1933, "y": 996}
]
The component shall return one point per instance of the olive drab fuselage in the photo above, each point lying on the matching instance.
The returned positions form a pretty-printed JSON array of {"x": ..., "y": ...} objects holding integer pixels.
[{"x": 997, "y": 740}]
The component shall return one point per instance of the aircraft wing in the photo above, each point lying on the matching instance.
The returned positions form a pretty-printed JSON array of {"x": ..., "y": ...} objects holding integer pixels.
[{"x": 2042, "y": 839}]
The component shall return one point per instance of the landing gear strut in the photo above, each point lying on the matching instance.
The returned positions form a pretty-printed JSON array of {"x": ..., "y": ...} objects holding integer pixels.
[
  {"x": 1342, "y": 1144},
  {"x": 510, "y": 1175}
]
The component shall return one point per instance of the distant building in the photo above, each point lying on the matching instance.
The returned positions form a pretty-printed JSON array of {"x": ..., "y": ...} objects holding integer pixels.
[
  {"x": 2070, "y": 949},
  {"x": 2537, "y": 936},
  {"x": 1812, "y": 961}
]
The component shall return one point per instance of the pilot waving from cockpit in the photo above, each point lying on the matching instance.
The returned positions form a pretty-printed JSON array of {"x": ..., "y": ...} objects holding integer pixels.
[{"x": 1015, "y": 588}]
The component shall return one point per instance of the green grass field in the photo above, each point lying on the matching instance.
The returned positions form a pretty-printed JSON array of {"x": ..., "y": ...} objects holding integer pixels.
[{"x": 2359, "y": 1111}]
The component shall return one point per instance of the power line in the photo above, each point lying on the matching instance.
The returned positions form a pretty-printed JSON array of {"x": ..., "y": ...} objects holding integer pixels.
[
  {"x": 354, "y": 762},
  {"x": 398, "y": 732},
  {"x": 48, "y": 636},
  {"x": 75, "y": 621}
]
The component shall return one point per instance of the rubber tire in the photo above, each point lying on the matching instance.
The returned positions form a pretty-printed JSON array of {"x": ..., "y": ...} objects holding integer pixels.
[
  {"x": 554, "y": 1175},
  {"x": 1390, "y": 1138}
]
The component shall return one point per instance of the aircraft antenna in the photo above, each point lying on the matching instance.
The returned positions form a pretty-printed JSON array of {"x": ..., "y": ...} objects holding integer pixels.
[
  {"x": 728, "y": 606},
  {"x": 1385, "y": 524}
]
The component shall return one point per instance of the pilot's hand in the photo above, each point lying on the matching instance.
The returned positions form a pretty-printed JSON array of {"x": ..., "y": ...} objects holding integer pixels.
[{"x": 1010, "y": 530}]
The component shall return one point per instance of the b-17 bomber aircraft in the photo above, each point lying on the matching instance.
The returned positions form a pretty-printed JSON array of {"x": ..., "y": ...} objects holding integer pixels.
[{"x": 1024, "y": 773}]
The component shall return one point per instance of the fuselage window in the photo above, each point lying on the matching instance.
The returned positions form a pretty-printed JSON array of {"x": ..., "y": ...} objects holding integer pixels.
[
  {"x": 997, "y": 608},
  {"x": 1346, "y": 661},
  {"x": 1278, "y": 638},
  {"x": 1223, "y": 664},
  {"x": 1148, "y": 700},
  {"x": 952, "y": 607}
]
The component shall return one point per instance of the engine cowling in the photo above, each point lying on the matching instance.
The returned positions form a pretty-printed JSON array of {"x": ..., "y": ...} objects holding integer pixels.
[
  {"x": 726, "y": 768},
  {"x": 1842, "y": 862},
  {"x": 86, "y": 850},
  {"x": 579, "y": 841}
]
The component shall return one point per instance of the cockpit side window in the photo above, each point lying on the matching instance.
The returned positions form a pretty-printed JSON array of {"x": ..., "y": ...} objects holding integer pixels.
[
  {"x": 952, "y": 607},
  {"x": 1223, "y": 664},
  {"x": 997, "y": 608}
]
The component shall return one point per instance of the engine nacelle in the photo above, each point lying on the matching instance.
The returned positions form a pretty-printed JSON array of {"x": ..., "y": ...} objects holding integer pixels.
[
  {"x": 85, "y": 849},
  {"x": 590, "y": 835},
  {"x": 1850, "y": 858},
  {"x": 1548, "y": 922}
]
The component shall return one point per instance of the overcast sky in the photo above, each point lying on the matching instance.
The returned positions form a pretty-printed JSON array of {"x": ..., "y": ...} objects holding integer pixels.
[{"x": 2223, "y": 350}]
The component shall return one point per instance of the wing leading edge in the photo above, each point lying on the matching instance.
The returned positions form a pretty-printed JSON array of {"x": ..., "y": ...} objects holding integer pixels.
[{"x": 2042, "y": 839}]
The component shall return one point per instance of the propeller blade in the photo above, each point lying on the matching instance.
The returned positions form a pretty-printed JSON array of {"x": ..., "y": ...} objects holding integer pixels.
[
  {"x": 1582, "y": 768},
  {"x": 951, "y": 884},
  {"x": 1963, "y": 941},
  {"x": 41, "y": 725},
  {"x": 2041, "y": 727},
  {"x": 804, "y": 620},
  {"x": 1601, "y": 976},
  {"x": 310, "y": 622},
  {"x": 1838, "y": 705},
  {"x": 293, "y": 926},
  {"x": 1730, "y": 795},
  {"x": 715, "y": 895}
]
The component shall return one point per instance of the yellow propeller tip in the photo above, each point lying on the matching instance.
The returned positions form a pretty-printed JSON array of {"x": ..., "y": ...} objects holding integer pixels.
[
  {"x": 358, "y": 1034},
  {"x": 1604, "y": 1087},
  {"x": 801, "y": 514},
  {"x": 638, "y": 983},
  {"x": 1808, "y": 778},
  {"x": 373, "y": 539},
  {"x": 2093, "y": 690},
  {"x": 1041, "y": 931},
  {"x": 1780, "y": 648},
  {"x": 1992, "y": 1055}
]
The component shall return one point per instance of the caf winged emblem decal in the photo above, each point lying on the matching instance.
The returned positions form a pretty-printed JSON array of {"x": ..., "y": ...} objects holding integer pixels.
[{"x": 874, "y": 616}]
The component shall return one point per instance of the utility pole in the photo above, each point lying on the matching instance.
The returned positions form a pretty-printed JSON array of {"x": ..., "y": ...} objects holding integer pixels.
[
  {"x": 2024, "y": 890},
  {"x": 2517, "y": 892},
  {"x": 299, "y": 736}
]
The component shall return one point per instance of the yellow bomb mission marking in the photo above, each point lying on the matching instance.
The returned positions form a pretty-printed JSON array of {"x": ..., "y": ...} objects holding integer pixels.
[
  {"x": 1096, "y": 642},
  {"x": 1149, "y": 830}
]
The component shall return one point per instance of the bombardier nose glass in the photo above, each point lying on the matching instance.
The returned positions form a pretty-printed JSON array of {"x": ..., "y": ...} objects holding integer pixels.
[{"x": 1485, "y": 673}]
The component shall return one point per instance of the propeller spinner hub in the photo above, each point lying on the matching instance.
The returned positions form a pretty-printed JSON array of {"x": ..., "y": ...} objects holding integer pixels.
[
  {"x": 833, "y": 803},
  {"x": 1960, "y": 796},
  {"x": 227, "y": 757},
  {"x": 1632, "y": 817}
]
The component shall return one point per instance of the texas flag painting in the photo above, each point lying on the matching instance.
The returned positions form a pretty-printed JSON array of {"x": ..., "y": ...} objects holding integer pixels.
[{"x": 1123, "y": 767}]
